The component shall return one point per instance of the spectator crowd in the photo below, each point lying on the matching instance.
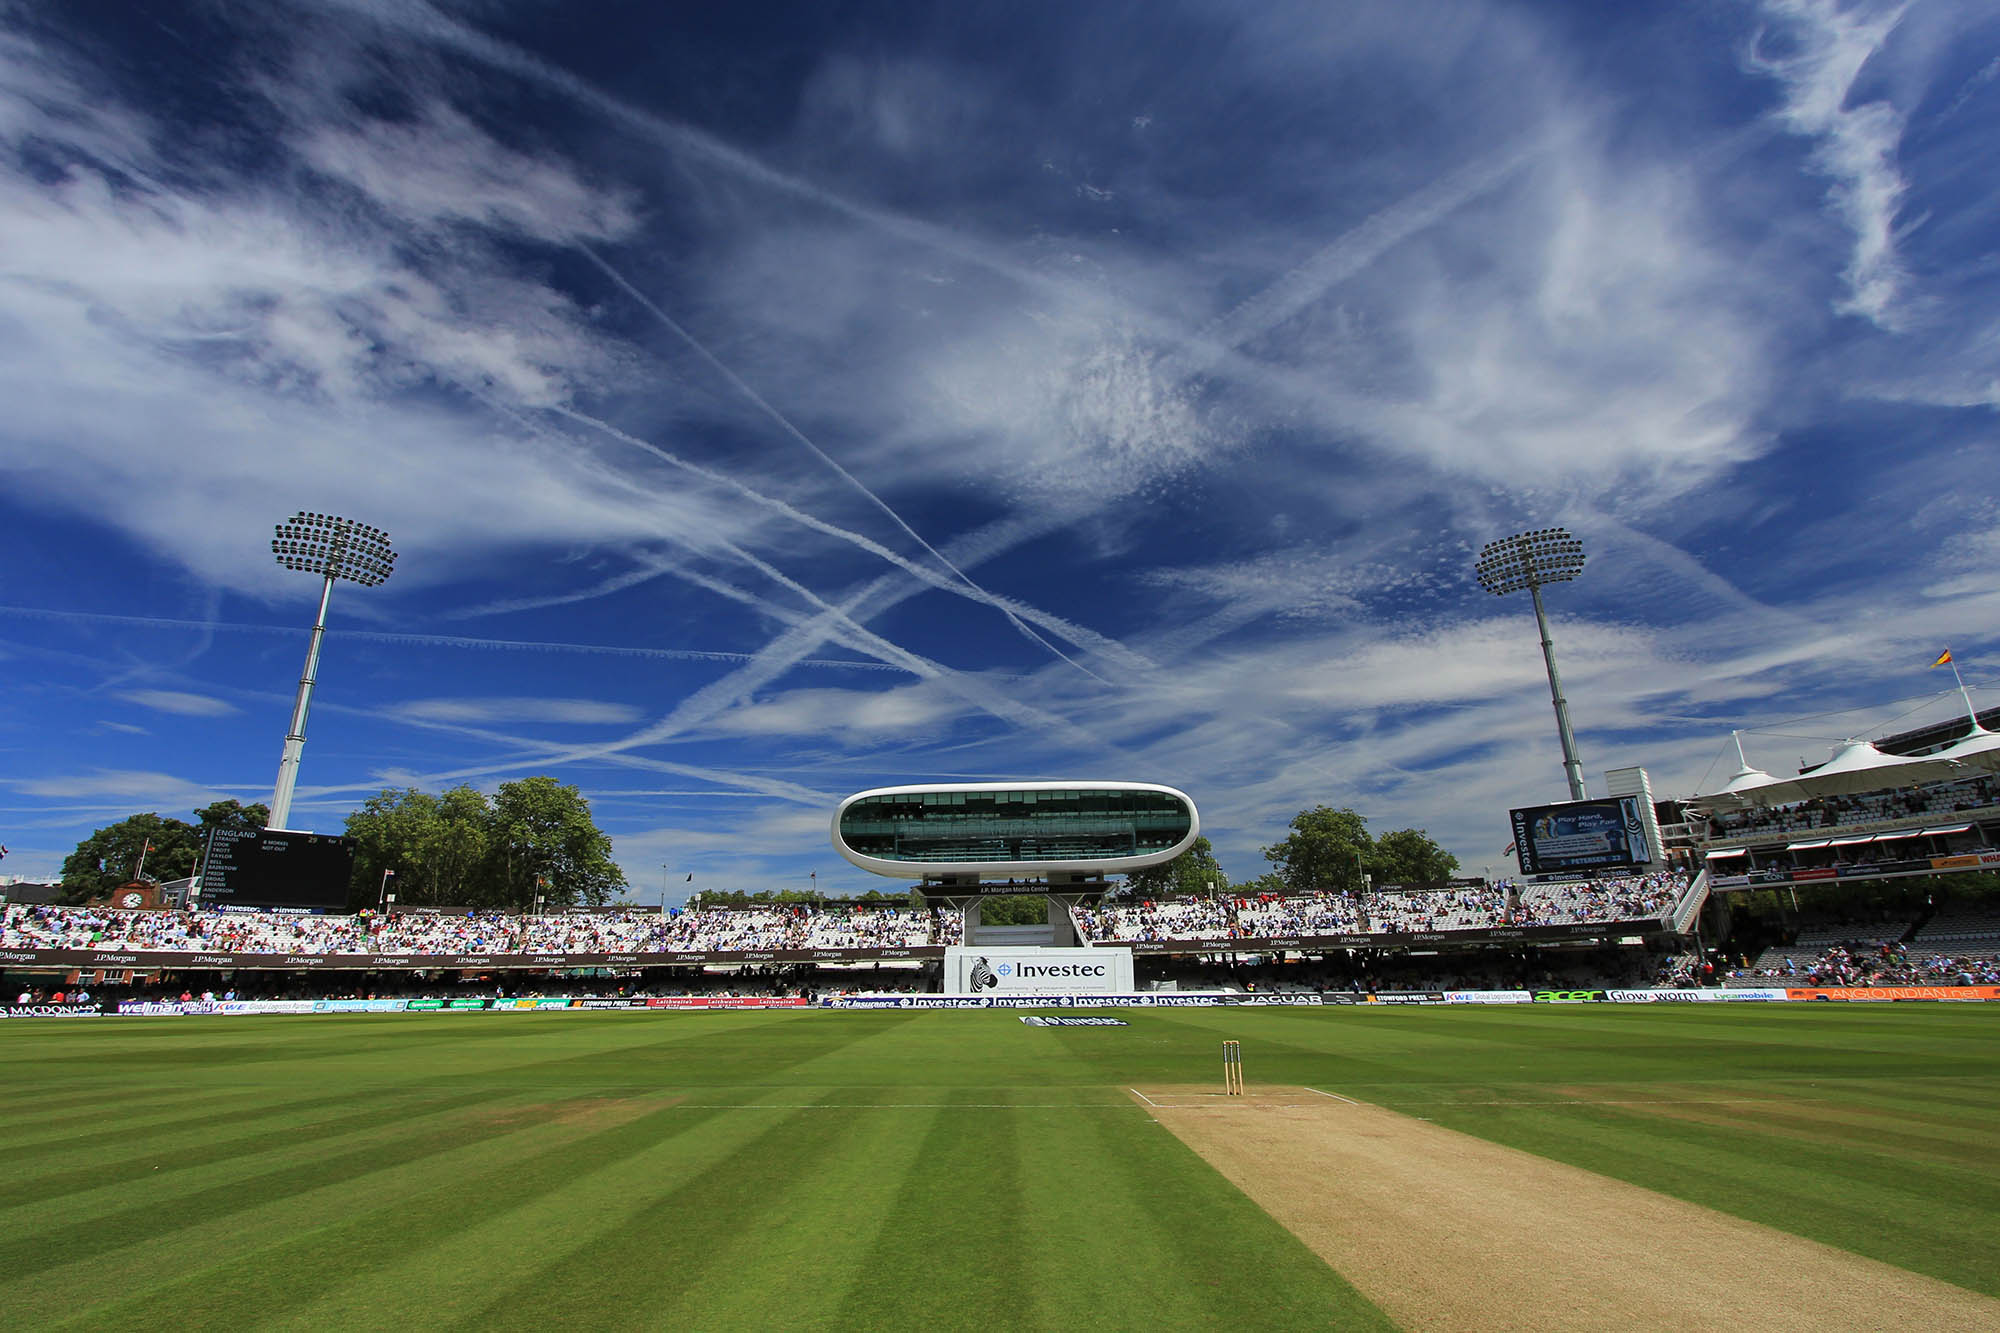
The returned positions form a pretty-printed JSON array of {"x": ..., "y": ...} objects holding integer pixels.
[
  {"x": 1871, "y": 963},
  {"x": 1389, "y": 912},
  {"x": 1944, "y": 798},
  {"x": 721, "y": 930},
  {"x": 712, "y": 929}
]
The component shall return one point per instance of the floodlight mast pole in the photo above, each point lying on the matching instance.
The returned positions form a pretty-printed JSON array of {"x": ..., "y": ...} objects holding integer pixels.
[
  {"x": 333, "y": 548},
  {"x": 1528, "y": 560},
  {"x": 1572, "y": 767},
  {"x": 295, "y": 739}
]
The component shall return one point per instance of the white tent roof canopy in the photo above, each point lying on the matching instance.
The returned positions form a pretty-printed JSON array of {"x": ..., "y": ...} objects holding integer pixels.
[
  {"x": 1978, "y": 751},
  {"x": 1857, "y": 766}
]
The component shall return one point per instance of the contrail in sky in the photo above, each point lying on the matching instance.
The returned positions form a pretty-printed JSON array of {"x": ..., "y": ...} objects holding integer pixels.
[
  {"x": 784, "y": 424},
  {"x": 414, "y": 16},
  {"x": 1013, "y": 609},
  {"x": 437, "y": 640},
  {"x": 1360, "y": 246}
]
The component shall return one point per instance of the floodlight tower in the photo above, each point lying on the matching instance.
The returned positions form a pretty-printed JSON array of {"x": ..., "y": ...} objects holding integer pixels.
[
  {"x": 333, "y": 548},
  {"x": 1528, "y": 560}
]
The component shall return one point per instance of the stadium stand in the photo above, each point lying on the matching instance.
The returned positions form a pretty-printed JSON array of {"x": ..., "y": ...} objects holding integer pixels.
[
  {"x": 1643, "y": 899},
  {"x": 1967, "y": 795},
  {"x": 1390, "y": 913},
  {"x": 710, "y": 929},
  {"x": 1976, "y": 929},
  {"x": 1878, "y": 963}
]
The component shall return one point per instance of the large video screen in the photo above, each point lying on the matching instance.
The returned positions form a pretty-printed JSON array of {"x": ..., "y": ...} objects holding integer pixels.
[
  {"x": 1580, "y": 836},
  {"x": 272, "y": 868}
]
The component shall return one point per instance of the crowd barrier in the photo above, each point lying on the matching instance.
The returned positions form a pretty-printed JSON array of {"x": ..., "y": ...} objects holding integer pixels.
[{"x": 1144, "y": 1000}]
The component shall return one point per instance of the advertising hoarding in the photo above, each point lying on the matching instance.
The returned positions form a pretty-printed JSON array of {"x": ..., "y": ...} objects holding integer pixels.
[{"x": 974, "y": 970}]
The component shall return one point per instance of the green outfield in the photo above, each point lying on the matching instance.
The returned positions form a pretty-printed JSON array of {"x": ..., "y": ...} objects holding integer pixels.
[{"x": 897, "y": 1169}]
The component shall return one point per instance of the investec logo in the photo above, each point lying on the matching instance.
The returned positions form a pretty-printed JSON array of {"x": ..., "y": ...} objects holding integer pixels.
[{"x": 1028, "y": 971}]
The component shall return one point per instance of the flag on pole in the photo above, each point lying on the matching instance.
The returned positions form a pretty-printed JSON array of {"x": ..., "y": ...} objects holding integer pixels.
[
  {"x": 1944, "y": 658},
  {"x": 1508, "y": 850}
]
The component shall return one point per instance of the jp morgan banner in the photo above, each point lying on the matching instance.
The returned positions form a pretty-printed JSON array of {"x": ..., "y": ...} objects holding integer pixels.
[{"x": 1034, "y": 972}]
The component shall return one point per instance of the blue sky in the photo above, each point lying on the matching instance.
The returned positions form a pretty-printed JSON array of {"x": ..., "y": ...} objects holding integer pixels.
[{"x": 771, "y": 402}]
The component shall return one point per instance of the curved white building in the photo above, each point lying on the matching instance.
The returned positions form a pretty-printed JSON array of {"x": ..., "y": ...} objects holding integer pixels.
[{"x": 996, "y": 830}]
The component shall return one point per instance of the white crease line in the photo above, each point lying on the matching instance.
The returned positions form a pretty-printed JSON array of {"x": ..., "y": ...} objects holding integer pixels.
[
  {"x": 1142, "y": 1097},
  {"x": 1336, "y": 1096}
]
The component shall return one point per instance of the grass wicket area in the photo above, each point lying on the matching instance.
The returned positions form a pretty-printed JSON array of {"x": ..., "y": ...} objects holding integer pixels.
[{"x": 899, "y": 1169}]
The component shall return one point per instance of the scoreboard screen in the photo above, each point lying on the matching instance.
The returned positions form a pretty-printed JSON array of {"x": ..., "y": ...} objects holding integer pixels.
[
  {"x": 1581, "y": 836},
  {"x": 275, "y": 868}
]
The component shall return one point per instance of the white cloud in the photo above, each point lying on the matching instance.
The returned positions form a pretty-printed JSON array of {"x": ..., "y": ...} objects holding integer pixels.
[
  {"x": 295, "y": 353},
  {"x": 580, "y": 712},
  {"x": 856, "y": 716},
  {"x": 179, "y": 702},
  {"x": 1817, "y": 50},
  {"x": 441, "y": 167},
  {"x": 126, "y": 785}
]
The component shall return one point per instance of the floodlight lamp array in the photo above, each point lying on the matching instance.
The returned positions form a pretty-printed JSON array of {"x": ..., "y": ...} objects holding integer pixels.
[
  {"x": 334, "y": 547},
  {"x": 1529, "y": 559}
]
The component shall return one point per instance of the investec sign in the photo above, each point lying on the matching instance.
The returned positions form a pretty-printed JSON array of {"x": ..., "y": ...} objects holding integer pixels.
[{"x": 1003, "y": 972}]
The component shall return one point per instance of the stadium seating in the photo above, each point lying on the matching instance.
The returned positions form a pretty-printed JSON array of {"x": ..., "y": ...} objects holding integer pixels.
[
  {"x": 715, "y": 929},
  {"x": 1638, "y": 898},
  {"x": 1869, "y": 808},
  {"x": 1879, "y": 963}
]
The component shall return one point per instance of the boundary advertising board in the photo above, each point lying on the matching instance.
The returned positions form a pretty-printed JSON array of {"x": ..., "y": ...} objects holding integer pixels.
[
  {"x": 1127, "y": 1000},
  {"x": 973, "y": 970}
]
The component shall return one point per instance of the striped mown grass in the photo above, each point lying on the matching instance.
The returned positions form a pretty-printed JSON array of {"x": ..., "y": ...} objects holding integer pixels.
[{"x": 896, "y": 1169}]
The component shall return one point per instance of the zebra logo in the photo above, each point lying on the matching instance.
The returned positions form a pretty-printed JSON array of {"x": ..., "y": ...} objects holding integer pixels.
[{"x": 982, "y": 975}]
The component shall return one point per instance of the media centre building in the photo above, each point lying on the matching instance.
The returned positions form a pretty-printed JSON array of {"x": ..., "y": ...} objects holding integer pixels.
[{"x": 968, "y": 842}]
